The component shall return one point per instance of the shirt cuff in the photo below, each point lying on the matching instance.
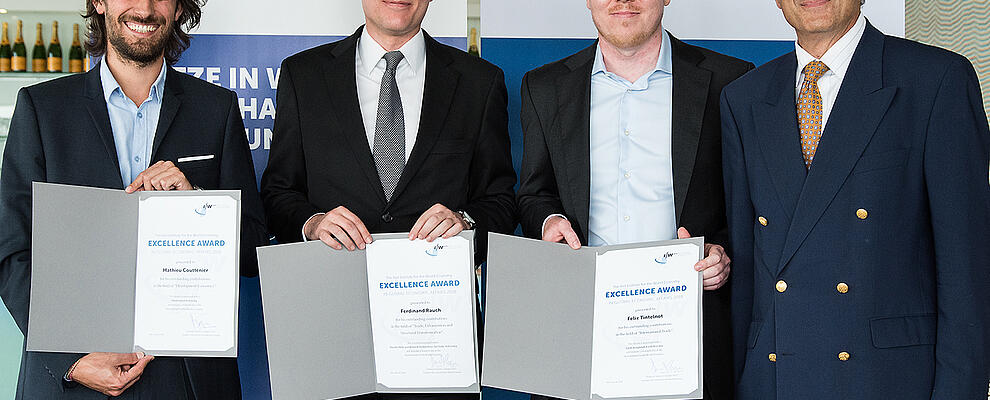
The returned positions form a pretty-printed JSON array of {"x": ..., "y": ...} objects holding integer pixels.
[
  {"x": 302, "y": 231},
  {"x": 545, "y": 220}
]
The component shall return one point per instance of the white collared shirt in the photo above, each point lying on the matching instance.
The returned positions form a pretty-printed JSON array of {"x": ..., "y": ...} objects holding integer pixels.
[
  {"x": 837, "y": 58},
  {"x": 410, "y": 76}
]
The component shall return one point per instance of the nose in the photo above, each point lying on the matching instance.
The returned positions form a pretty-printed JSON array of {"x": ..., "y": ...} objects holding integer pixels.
[{"x": 143, "y": 8}]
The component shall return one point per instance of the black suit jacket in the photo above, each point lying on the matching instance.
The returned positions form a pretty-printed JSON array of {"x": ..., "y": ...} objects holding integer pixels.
[
  {"x": 61, "y": 133},
  {"x": 320, "y": 158},
  {"x": 556, "y": 165}
]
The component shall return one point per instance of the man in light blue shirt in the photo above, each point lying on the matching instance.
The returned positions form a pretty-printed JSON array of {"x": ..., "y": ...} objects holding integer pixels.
[{"x": 622, "y": 144}]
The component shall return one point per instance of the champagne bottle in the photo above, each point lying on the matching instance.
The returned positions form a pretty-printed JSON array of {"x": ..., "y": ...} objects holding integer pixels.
[
  {"x": 5, "y": 52},
  {"x": 76, "y": 53},
  {"x": 39, "y": 60},
  {"x": 55, "y": 51},
  {"x": 473, "y": 47},
  {"x": 18, "y": 62}
]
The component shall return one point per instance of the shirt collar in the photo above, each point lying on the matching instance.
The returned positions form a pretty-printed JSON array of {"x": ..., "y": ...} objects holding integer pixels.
[
  {"x": 110, "y": 84},
  {"x": 664, "y": 62},
  {"x": 838, "y": 57},
  {"x": 413, "y": 52}
]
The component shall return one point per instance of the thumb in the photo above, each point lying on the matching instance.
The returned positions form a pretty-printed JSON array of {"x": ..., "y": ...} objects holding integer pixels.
[
  {"x": 682, "y": 233},
  {"x": 119, "y": 359}
]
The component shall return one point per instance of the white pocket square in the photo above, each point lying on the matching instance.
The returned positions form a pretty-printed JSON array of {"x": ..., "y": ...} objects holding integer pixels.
[{"x": 195, "y": 158}]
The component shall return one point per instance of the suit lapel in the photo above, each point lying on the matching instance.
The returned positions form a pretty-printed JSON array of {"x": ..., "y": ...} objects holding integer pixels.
[
  {"x": 341, "y": 80},
  {"x": 858, "y": 110},
  {"x": 171, "y": 100},
  {"x": 572, "y": 132},
  {"x": 97, "y": 106},
  {"x": 780, "y": 142},
  {"x": 690, "y": 94},
  {"x": 438, "y": 94}
]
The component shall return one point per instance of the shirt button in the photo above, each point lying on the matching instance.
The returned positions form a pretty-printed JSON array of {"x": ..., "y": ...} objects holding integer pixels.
[
  {"x": 140, "y": 115},
  {"x": 627, "y": 132},
  {"x": 137, "y": 159},
  {"x": 628, "y": 175},
  {"x": 626, "y": 218}
]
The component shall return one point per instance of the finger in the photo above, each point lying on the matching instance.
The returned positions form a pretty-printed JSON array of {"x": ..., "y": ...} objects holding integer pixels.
[
  {"x": 124, "y": 389},
  {"x": 351, "y": 230},
  {"x": 707, "y": 262},
  {"x": 682, "y": 233},
  {"x": 118, "y": 359},
  {"x": 162, "y": 178},
  {"x": 329, "y": 240},
  {"x": 138, "y": 369},
  {"x": 428, "y": 226},
  {"x": 713, "y": 271},
  {"x": 571, "y": 237},
  {"x": 342, "y": 237},
  {"x": 362, "y": 230},
  {"x": 453, "y": 231},
  {"x": 442, "y": 227},
  {"x": 714, "y": 282},
  {"x": 418, "y": 226}
]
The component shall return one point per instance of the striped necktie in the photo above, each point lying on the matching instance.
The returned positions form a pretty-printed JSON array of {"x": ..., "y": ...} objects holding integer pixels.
[{"x": 809, "y": 110}]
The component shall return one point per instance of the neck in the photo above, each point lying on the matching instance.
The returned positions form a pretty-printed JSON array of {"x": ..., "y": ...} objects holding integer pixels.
[
  {"x": 134, "y": 78},
  {"x": 631, "y": 63},
  {"x": 389, "y": 41},
  {"x": 818, "y": 43}
]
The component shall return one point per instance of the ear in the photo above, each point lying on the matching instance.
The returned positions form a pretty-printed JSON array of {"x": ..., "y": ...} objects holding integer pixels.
[
  {"x": 666, "y": 3},
  {"x": 101, "y": 6},
  {"x": 588, "y": 4},
  {"x": 178, "y": 10},
  {"x": 778, "y": 4}
]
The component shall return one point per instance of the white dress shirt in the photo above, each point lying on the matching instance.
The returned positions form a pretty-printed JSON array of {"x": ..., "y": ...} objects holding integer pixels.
[
  {"x": 837, "y": 58},
  {"x": 410, "y": 76}
]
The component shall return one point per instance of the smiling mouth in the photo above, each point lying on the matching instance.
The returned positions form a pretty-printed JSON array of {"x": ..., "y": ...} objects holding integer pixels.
[
  {"x": 141, "y": 28},
  {"x": 393, "y": 3}
]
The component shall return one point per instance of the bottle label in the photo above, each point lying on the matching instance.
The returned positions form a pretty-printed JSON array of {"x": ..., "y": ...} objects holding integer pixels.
[
  {"x": 5, "y": 65},
  {"x": 38, "y": 65},
  {"x": 75, "y": 66},
  {"x": 18, "y": 64},
  {"x": 54, "y": 64}
]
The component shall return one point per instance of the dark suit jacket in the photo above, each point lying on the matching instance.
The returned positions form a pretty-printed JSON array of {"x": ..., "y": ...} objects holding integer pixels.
[
  {"x": 895, "y": 207},
  {"x": 320, "y": 157},
  {"x": 556, "y": 166},
  {"x": 61, "y": 133}
]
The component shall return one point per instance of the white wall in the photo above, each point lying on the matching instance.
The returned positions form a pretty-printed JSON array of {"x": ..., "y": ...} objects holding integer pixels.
[
  {"x": 688, "y": 19},
  {"x": 316, "y": 17}
]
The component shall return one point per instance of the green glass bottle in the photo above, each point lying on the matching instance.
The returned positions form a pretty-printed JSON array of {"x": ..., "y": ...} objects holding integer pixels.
[
  {"x": 18, "y": 62},
  {"x": 5, "y": 52},
  {"x": 39, "y": 56},
  {"x": 55, "y": 51},
  {"x": 76, "y": 53},
  {"x": 473, "y": 44}
]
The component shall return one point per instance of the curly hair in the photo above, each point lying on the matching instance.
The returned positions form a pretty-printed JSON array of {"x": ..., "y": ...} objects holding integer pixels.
[{"x": 177, "y": 42}]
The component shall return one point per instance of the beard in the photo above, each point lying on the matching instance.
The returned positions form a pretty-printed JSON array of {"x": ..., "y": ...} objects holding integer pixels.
[
  {"x": 626, "y": 34},
  {"x": 144, "y": 51}
]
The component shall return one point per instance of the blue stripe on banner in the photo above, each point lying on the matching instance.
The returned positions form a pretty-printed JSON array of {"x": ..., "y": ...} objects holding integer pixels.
[
  {"x": 518, "y": 56},
  {"x": 249, "y": 65}
]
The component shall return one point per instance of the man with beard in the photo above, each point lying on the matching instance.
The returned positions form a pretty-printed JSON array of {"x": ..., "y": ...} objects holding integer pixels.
[
  {"x": 856, "y": 182},
  {"x": 131, "y": 123},
  {"x": 622, "y": 145}
]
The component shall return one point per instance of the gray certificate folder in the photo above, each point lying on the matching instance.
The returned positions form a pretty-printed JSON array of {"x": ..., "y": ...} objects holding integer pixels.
[
  {"x": 83, "y": 254},
  {"x": 539, "y": 316},
  {"x": 318, "y": 322}
]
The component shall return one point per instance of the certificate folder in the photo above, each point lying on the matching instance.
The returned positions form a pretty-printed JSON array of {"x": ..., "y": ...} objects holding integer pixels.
[
  {"x": 539, "y": 317},
  {"x": 84, "y": 245},
  {"x": 318, "y": 324}
]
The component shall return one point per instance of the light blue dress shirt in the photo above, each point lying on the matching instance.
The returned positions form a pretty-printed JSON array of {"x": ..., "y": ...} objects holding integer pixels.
[
  {"x": 632, "y": 186},
  {"x": 133, "y": 126}
]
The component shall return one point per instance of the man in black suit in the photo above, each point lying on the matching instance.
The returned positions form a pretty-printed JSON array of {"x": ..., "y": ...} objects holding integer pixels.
[
  {"x": 131, "y": 123},
  {"x": 389, "y": 131},
  {"x": 622, "y": 144}
]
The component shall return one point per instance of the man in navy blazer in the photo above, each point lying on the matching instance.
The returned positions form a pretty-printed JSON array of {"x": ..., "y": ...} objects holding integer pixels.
[
  {"x": 858, "y": 204},
  {"x": 132, "y": 123}
]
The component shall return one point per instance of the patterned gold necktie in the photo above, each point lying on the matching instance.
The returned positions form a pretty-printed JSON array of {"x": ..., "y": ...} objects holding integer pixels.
[{"x": 809, "y": 110}]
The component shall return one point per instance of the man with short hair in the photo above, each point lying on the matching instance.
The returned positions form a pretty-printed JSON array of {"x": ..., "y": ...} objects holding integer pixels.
[
  {"x": 131, "y": 123},
  {"x": 622, "y": 145},
  {"x": 389, "y": 131},
  {"x": 856, "y": 183}
]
